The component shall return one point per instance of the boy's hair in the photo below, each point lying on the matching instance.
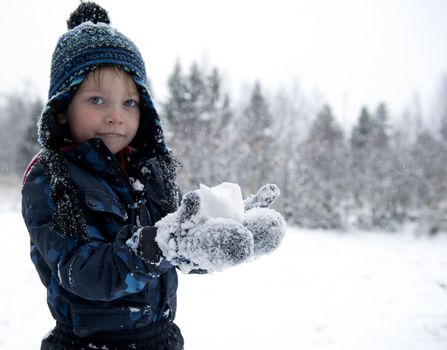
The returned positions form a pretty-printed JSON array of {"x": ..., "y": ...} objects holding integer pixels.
[
  {"x": 89, "y": 43},
  {"x": 97, "y": 73}
]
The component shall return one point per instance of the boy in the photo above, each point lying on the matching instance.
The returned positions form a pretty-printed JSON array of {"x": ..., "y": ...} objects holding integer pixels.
[{"x": 101, "y": 188}]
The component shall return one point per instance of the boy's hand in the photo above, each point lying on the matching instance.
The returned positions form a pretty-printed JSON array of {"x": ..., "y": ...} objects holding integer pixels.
[
  {"x": 191, "y": 242},
  {"x": 267, "y": 225}
]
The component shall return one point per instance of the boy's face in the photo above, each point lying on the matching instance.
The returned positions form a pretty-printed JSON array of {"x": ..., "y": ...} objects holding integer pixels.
[{"x": 106, "y": 106}]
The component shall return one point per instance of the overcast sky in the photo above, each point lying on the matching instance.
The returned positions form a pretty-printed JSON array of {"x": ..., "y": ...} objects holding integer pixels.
[{"x": 351, "y": 52}]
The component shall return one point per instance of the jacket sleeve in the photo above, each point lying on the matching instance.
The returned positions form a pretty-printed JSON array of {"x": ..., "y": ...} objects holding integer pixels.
[{"x": 95, "y": 269}]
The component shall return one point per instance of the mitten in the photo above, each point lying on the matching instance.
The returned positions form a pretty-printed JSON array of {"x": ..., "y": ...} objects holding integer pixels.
[
  {"x": 267, "y": 225},
  {"x": 263, "y": 198},
  {"x": 190, "y": 241}
]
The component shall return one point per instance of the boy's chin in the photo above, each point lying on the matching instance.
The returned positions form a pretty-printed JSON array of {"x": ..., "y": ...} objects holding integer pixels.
[
  {"x": 114, "y": 147},
  {"x": 114, "y": 144},
  {"x": 115, "y": 150}
]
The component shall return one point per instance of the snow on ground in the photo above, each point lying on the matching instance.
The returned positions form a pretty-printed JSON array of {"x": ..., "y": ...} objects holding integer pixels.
[{"x": 319, "y": 290}]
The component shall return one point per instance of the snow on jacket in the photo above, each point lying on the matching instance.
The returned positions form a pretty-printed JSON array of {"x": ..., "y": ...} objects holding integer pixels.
[{"x": 80, "y": 208}]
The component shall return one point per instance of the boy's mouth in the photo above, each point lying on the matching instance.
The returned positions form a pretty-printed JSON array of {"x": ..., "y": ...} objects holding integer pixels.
[{"x": 111, "y": 134}]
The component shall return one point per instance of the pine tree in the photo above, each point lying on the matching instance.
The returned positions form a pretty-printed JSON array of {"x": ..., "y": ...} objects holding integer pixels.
[
  {"x": 361, "y": 133},
  {"x": 19, "y": 115},
  {"x": 291, "y": 111},
  {"x": 197, "y": 113},
  {"x": 255, "y": 143},
  {"x": 374, "y": 166},
  {"x": 381, "y": 137},
  {"x": 442, "y": 107},
  {"x": 323, "y": 175},
  {"x": 29, "y": 147},
  {"x": 429, "y": 172}
]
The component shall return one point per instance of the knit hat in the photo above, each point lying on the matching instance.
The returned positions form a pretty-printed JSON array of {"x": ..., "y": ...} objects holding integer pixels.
[{"x": 89, "y": 43}]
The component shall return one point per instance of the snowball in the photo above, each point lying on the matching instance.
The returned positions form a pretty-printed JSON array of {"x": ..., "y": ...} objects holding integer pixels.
[
  {"x": 134, "y": 241},
  {"x": 222, "y": 201},
  {"x": 138, "y": 186}
]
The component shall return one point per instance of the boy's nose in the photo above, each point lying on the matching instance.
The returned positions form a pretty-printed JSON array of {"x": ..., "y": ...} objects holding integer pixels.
[{"x": 114, "y": 116}]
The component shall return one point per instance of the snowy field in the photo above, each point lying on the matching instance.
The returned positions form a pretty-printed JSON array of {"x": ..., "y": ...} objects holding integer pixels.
[{"x": 320, "y": 290}]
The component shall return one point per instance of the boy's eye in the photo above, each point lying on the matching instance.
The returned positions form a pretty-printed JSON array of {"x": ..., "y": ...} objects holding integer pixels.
[
  {"x": 96, "y": 100},
  {"x": 130, "y": 103}
]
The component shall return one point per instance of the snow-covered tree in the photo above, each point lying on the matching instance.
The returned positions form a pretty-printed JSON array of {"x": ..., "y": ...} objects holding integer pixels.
[
  {"x": 323, "y": 174},
  {"x": 255, "y": 146},
  {"x": 29, "y": 147},
  {"x": 441, "y": 107},
  {"x": 374, "y": 167},
  {"x": 291, "y": 110},
  {"x": 197, "y": 113},
  {"x": 18, "y": 132},
  {"x": 429, "y": 171}
]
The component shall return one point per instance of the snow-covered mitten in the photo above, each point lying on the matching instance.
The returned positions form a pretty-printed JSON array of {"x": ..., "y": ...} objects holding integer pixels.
[
  {"x": 263, "y": 198},
  {"x": 267, "y": 225},
  {"x": 190, "y": 241}
]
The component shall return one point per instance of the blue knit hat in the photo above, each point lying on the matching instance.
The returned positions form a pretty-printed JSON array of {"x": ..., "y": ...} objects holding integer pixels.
[{"x": 89, "y": 43}]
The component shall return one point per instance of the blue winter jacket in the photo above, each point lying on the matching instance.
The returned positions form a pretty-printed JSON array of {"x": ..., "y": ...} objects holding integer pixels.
[{"x": 80, "y": 209}]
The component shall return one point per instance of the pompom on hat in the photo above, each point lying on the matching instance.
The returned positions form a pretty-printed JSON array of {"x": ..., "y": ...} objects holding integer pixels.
[{"x": 89, "y": 43}]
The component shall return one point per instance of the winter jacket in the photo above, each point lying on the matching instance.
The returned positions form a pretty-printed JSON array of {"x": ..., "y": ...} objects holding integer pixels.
[{"x": 80, "y": 208}]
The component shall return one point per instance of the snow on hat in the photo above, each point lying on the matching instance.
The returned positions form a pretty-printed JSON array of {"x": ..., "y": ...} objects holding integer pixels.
[{"x": 89, "y": 43}]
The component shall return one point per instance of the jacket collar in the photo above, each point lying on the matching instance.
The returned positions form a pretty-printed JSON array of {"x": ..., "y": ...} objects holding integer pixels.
[{"x": 94, "y": 156}]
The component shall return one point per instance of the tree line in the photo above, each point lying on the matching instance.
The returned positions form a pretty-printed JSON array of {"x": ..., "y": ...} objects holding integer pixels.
[{"x": 373, "y": 176}]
